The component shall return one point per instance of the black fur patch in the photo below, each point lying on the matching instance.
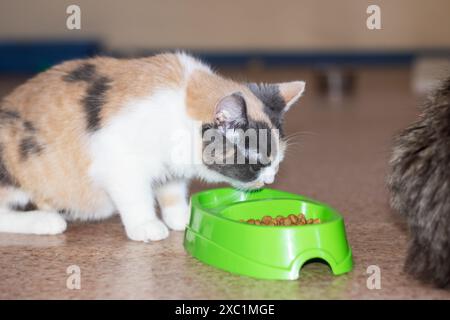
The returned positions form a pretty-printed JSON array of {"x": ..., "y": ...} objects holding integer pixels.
[
  {"x": 30, "y": 206},
  {"x": 8, "y": 116},
  {"x": 6, "y": 179},
  {"x": 94, "y": 100},
  {"x": 85, "y": 72},
  {"x": 95, "y": 94},
  {"x": 419, "y": 184},
  {"x": 29, "y": 146},
  {"x": 28, "y": 125},
  {"x": 269, "y": 94}
]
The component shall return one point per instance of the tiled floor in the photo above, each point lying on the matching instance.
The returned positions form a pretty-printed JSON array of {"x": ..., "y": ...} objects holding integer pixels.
[{"x": 340, "y": 159}]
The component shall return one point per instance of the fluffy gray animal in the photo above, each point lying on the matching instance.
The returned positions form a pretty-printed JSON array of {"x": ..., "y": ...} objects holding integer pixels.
[{"x": 419, "y": 184}]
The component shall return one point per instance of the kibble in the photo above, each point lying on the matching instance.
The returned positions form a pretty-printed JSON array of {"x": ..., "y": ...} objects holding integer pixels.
[
  {"x": 302, "y": 219},
  {"x": 266, "y": 219},
  {"x": 290, "y": 220},
  {"x": 279, "y": 220},
  {"x": 293, "y": 218}
]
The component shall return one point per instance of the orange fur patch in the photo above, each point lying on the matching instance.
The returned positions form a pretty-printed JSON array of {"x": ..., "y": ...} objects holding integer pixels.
[
  {"x": 204, "y": 90},
  {"x": 169, "y": 199}
]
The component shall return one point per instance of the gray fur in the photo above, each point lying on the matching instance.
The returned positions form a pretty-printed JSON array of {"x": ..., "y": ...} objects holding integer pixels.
[
  {"x": 274, "y": 104},
  {"x": 419, "y": 184}
]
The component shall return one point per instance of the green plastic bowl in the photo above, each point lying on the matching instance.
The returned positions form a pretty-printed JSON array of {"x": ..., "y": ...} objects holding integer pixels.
[{"x": 216, "y": 237}]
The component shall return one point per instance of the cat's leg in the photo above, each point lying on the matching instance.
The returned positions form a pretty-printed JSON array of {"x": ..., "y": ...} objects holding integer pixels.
[
  {"x": 133, "y": 196},
  {"x": 29, "y": 222},
  {"x": 172, "y": 198}
]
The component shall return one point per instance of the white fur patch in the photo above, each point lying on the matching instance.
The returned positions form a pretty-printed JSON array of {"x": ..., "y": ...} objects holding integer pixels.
[{"x": 31, "y": 222}]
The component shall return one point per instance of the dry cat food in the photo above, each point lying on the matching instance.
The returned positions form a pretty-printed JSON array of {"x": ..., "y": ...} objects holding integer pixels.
[{"x": 290, "y": 220}]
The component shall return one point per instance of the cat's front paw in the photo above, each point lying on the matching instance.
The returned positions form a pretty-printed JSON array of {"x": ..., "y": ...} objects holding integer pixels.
[
  {"x": 176, "y": 217},
  {"x": 47, "y": 223},
  {"x": 153, "y": 230}
]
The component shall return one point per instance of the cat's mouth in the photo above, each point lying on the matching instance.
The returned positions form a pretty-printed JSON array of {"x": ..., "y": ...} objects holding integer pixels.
[{"x": 249, "y": 186}]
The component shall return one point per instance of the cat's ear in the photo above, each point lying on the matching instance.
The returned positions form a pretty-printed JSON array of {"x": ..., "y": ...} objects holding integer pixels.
[
  {"x": 231, "y": 112},
  {"x": 278, "y": 97},
  {"x": 291, "y": 92}
]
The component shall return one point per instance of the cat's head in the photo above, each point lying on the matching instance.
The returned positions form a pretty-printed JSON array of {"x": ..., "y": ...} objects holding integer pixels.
[{"x": 245, "y": 144}]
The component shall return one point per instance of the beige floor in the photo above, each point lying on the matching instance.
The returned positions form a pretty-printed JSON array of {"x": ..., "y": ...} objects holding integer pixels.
[{"x": 340, "y": 159}]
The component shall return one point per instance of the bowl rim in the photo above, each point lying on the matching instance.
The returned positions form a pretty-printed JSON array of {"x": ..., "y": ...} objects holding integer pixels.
[{"x": 195, "y": 202}]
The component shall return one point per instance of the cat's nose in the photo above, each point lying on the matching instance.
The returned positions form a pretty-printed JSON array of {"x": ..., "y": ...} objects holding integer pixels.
[{"x": 258, "y": 185}]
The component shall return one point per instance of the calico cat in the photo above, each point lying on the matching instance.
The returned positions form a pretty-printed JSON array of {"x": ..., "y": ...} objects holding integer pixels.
[
  {"x": 88, "y": 138},
  {"x": 419, "y": 184}
]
